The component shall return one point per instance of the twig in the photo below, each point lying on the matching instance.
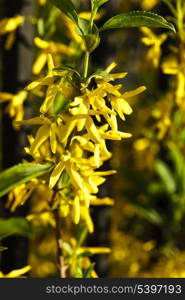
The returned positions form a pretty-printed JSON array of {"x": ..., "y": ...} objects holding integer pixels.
[{"x": 60, "y": 257}]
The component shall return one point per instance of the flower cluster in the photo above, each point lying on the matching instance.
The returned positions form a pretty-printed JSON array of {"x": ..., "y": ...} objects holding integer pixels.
[{"x": 74, "y": 140}]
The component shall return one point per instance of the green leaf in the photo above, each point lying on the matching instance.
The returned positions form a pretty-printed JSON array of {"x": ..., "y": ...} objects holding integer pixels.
[
  {"x": 91, "y": 41},
  {"x": 78, "y": 273},
  {"x": 3, "y": 248},
  {"x": 64, "y": 181},
  {"x": 97, "y": 3},
  {"x": 179, "y": 167},
  {"x": 101, "y": 2},
  {"x": 12, "y": 226},
  {"x": 156, "y": 188},
  {"x": 83, "y": 26},
  {"x": 66, "y": 247},
  {"x": 178, "y": 160},
  {"x": 137, "y": 19},
  {"x": 166, "y": 176},
  {"x": 19, "y": 174},
  {"x": 67, "y": 7},
  {"x": 99, "y": 75},
  {"x": 4, "y": 235},
  {"x": 87, "y": 273},
  {"x": 40, "y": 26},
  {"x": 81, "y": 233},
  {"x": 148, "y": 213},
  {"x": 67, "y": 68},
  {"x": 59, "y": 104},
  {"x": 84, "y": 254}
]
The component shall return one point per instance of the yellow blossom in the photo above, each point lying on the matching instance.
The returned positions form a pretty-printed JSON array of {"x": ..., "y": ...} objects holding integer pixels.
[
  {"x": 15, "y": 107},
  {"x": 141, "y": 144},
  {"x": 171, "y": 66},
  {"x": 76, "y": 210},
  {"x": 148, "y": 4},
  {"x": 95, "y": 250},
  {"x": 42, "y": 219},
  {"x": 87, "y": 15},
  {"x": 66, "y": 88},
  {"x": 42, "y": 2},
  {"x": 16, "y": 273},
  {"x": 154, "y": 42},
  {"x": 48, "y": 47},
  {"x": 71, "y": 30},
  {"x": 9, "y": 26},
  {"x": 20, "y": 194}
]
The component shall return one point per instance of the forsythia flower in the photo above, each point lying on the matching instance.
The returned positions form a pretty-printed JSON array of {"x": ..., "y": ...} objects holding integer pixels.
[
  {"x": 16, "y": 273},
  {"x": 15, "y": 107},
  {"x": 71, "y": 30},
  {"x": 154, "y": 42},
  {"x": 87, "y": 16},
  {"x": 71, "y": 27},
  {"x": 20, "y": 194},
  {"x": 42, "y": 2},
  {"x": 141, "y": 144},
  {"x": 48, "y": 47},
  {"x": 171, "y": 67},
  {"x": 75, "y": 141},
  {"x": 9, "y": 26},
  {"x": 148, "y": 4}
]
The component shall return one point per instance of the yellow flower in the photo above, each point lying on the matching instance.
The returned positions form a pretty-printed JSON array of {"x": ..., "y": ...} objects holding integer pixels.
[
  {"x": 16, "y": 273},
  {"x": 47, "y": 80},
  {"x": 154, "y": 42},
  {"x": 87, "y": 16},
  {"x": 42, "y": 2},
  {"x": 103, "y": 201},
  {"x": 63, "y": 86},
  {"x": 141, "y": 144},
  {"x": 42, "y": 219},
  {"x": 76, "y": 210},
  {"x": 9, "y": 26},
  {"x": 71, "y": 28},
  {"x": 148, "y": 4},
  {"x": 48, "y": 47},
  {"x": 20, "y": 194},
  {"x": 95, "y": 250},
  {"x": 71, "y": 31},
  {"x": 15, "y": 107},
  {"x": 171, "y": 66}
]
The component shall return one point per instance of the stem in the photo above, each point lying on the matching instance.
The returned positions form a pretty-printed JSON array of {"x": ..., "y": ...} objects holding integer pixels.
[
  {"x": 1, "y": 138},
  {"x": 180, "y": 17},
  {"x": 93, "y": 14},
  {"x": 87, "y": 54},
  {"x": 171, "y": 7},
  {"x": 60, "y": 257},
  {"x": 86, "y": 64}
]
